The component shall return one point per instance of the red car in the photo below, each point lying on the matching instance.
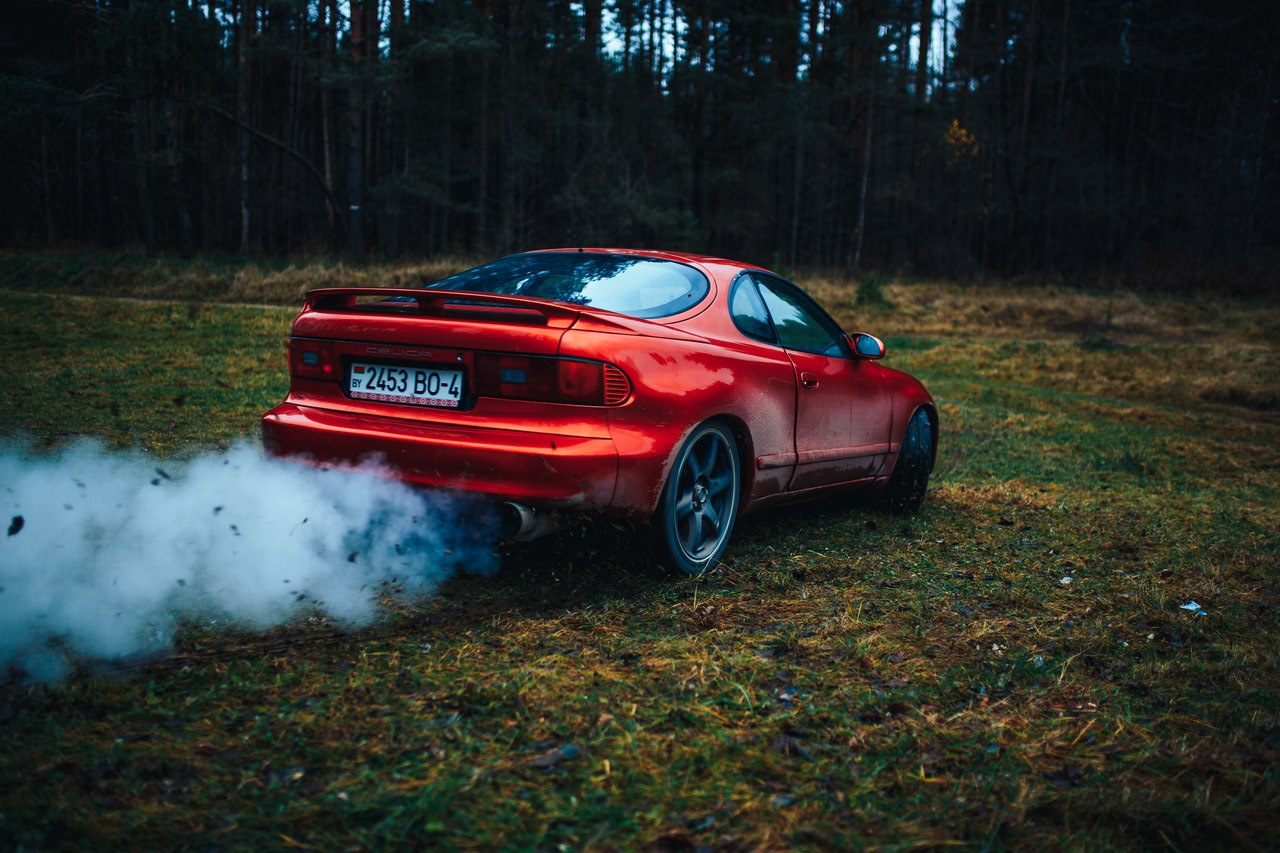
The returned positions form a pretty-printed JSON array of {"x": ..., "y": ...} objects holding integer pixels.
[{"x": 676, "y": 388}]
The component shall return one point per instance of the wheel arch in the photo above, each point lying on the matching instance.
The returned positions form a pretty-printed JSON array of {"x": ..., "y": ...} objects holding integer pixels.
[
  {"x": 746, "y": 456},
  {"x": 742, "y": 442},
  {"x": 900, "y": 434},
  {"x": 932, "y": 412}
]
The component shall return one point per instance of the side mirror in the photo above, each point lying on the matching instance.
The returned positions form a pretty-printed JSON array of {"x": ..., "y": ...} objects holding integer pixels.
[{"x": 867, "y": 346}]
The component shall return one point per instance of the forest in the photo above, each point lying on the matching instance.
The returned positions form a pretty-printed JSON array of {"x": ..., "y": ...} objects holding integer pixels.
[{"x": 1129, "y": 141}]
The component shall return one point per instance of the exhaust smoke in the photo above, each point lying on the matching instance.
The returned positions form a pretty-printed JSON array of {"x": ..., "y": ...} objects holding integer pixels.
[{"x": 109, "y": 553}]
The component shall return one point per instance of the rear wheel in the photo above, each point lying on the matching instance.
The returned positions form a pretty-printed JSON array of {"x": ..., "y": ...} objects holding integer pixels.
[
  {"x": 910, "y": 479},
  {"x": 700, "y": 501}
]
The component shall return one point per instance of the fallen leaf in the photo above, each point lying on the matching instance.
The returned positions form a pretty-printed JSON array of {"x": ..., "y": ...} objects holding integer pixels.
[
  {"x": 445, "y": 720},
  {"x": 675, "y": 841},
  {"x": 286, "y": 775},
  {"x": 789, "y": 743},
  {"x": 551, "y": 758},
  {"x": 1068, "y": 777}
]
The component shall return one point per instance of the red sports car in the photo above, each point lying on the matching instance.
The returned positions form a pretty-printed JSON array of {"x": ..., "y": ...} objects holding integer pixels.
[{"x": 676, "y": 388}]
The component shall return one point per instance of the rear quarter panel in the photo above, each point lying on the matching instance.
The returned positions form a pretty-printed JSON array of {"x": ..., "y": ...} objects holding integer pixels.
[{"x": 678, "y": 384}]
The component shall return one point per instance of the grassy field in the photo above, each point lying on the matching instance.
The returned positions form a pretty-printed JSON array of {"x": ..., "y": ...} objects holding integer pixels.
[{"x": 1010, "y": 667}]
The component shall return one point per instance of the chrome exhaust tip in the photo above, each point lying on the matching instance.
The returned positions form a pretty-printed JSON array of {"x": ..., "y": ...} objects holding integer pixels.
[{"x": 521, "y": 523}]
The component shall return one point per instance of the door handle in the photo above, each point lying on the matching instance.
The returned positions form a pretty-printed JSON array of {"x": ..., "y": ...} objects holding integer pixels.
[{"x": 808, "y": 380}]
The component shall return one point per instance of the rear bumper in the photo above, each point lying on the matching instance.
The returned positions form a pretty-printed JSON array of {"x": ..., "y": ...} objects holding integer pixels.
[{"x": 534, "y": 468}]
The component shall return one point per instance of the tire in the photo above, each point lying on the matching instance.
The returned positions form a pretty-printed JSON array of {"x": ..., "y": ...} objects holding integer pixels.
[
  {"x": 910, "y": 479},
  {"x": 699, "y": 502}
]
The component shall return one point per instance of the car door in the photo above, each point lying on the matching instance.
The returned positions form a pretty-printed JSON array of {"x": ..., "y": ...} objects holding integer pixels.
[{"x": 842, "y": 412}]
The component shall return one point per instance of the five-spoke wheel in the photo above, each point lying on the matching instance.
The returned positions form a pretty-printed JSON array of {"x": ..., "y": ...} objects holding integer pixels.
[{"x": 700, "y": 500}]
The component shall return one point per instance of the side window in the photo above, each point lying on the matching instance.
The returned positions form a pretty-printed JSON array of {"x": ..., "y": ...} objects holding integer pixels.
[
  {"x": 748, "y": 311},
  {"x": 800, "y": 323}
]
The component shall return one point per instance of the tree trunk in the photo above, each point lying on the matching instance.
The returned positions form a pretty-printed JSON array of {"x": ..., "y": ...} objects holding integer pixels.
[
  {"x": 507, "y": 171},
  {"x": 797, "y": 180},
  {"x": 142, "y": 171},
  {"x": 359, "y": 37},
  {"x": 328, "y": 41},
  {"x": 922, "y": 50},
  {"x": 701, "y": 83},
  {"x": 242, "y": 114},
  {"x": 399, "y": 159},
  {"x": 592, "y": 13},
  {"x": 862, "y": 188},
  {"x": 177, "y": 183},
  {"x": 1028, "y": 86}
]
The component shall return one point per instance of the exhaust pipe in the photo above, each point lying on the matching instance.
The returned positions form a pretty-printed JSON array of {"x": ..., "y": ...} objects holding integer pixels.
[{"x": 521, "y": 523}]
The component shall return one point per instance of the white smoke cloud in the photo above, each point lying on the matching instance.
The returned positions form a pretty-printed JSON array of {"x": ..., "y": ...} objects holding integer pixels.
[{"x": 108, "y": 553}]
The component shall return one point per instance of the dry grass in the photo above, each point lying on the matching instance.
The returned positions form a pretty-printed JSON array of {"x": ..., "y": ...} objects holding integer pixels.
[
  {"x": 1050, "y": 312},
  {"x": 228, "y": 279}
]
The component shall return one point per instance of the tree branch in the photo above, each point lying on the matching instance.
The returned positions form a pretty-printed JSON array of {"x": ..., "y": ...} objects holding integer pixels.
[{"x": 278, "y": 143}]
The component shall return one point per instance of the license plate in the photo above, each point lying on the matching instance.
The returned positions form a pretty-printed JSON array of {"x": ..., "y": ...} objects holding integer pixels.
[{"x": 419, "y": 386}]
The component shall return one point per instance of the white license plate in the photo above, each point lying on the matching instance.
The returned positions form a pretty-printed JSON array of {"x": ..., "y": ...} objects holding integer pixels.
[{"x": 419, "y": 386}]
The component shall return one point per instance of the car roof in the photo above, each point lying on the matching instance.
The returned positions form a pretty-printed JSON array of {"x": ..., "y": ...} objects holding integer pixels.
[{"x": 663, "y": 254}]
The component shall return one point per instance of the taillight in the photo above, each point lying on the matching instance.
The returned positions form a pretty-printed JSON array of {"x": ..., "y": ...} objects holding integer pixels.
[
  {"x": 310, "y": 359},
  {"x": 551, "y": 380}
]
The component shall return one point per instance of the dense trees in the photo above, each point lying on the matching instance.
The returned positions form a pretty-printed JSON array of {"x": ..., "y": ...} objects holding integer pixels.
[{"x": 949, "y": 136}]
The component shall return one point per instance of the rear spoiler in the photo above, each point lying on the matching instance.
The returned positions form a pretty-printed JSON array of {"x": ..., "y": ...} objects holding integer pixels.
[
  {"x": 468, "y": 305},
  {"x": 444, "y": 304}
]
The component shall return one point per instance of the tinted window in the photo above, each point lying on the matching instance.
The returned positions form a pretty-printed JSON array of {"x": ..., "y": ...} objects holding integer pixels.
[
  {"x": 800, "y": 323},
  {"x": 748, "y": 311},
  {"x": 637, "y": 287}
]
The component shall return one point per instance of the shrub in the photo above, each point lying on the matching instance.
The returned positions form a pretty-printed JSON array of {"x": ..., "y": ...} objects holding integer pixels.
[{"x": 871, "y": 290}]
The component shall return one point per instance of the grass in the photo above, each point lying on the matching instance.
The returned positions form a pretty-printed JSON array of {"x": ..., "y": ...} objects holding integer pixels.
[
  {"x": 217, "y": 279},
  {"x": 167, "y": 377},
  {"x": 1010, "y": 667}
]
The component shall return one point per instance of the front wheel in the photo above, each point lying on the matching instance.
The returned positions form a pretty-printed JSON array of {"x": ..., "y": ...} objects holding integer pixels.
[
  {"x": 910, "y": 479},
  {"x": 700, "y": 501}
]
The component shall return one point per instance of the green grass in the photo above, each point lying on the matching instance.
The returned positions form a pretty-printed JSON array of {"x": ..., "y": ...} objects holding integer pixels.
[
  {"x": 844, "y": 679},
  {"x": 168, "y": 377}
]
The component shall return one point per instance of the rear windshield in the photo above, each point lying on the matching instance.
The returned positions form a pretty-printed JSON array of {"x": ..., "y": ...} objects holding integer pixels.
[{"x": 637, "y": 287}]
